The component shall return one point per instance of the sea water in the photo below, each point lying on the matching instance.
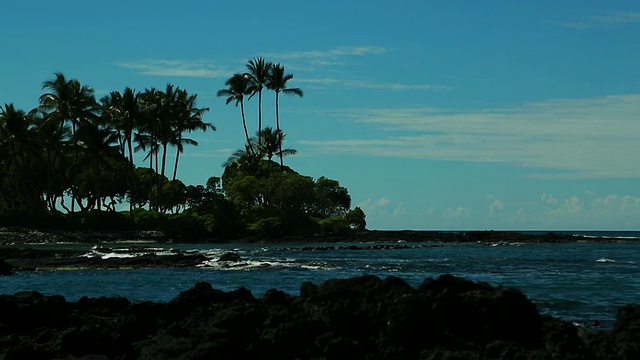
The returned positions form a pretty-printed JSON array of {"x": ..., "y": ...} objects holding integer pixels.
[{"x": 579, "y": 281}]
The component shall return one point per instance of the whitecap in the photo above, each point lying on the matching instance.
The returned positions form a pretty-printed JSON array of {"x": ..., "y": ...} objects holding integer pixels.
[
  {"x": 604, "y": 260},
  {"x": 214, "y": 264}
]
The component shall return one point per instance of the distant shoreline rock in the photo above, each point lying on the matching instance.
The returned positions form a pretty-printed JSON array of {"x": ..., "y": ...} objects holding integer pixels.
[
  {"x": 20, "y": 252},
  {"x": 20, "y": 236}
]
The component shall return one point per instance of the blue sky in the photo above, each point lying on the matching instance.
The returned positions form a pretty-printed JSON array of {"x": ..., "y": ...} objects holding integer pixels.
[{"x": 434, "y": 114}]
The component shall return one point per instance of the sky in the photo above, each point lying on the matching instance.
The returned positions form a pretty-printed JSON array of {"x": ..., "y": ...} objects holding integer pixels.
[{"x": 436, "y": 115}]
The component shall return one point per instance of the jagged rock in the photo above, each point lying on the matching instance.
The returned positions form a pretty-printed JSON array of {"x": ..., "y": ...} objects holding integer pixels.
[
  {"x": 5, "y": 268},
  {"x": 357, "y": 318},
  {"x": 230, "y": 256}
]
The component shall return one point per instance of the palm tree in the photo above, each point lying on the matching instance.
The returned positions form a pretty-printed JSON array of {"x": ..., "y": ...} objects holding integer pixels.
[
  {"x": 258, "y": 73},
  {"x": 277, "y": 81},
  {"x": 244, "y": 161},
  {"x": 154, "y": 131},
  {"x": 56, "y": 160},
  {"x": 125, "y": 111},
  {"x": 68, "y": 101},
  {"x": 237, "y": 88},
  {"x": 166, "y": 117},
  {"x": 19, "y": 151},
  {"x": 147, "y": 129},
  {"x": 99, "y": 144},
  {"x": 271, "y": 144},
  {"x": 188, "y": 118}
]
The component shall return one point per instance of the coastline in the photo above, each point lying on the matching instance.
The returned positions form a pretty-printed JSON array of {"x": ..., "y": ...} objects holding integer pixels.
[
  {"x": 360, "y": 317},
  {"x": 37, "y": 250},
  {"x": 23, "y": 236}
]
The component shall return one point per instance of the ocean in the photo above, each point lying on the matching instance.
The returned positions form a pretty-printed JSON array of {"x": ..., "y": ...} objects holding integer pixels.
[{"x": 581, "y": 282}]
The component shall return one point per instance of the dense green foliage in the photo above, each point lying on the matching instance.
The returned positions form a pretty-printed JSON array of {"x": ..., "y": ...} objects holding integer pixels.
[{"x": 69, "y": 164}]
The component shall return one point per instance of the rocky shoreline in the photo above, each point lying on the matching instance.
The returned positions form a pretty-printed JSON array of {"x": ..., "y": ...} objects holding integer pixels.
[
  {"x": 23, "y": 236},
  {"x": 359, "y": 318},
  {"x": 19, "y": 250}
]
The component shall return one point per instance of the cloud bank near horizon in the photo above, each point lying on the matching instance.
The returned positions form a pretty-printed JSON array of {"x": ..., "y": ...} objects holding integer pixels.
[{"x": 581, "y": 211}]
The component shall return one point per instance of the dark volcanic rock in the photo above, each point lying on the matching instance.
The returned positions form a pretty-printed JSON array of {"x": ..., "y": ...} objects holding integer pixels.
[
  {"x": 5, "y": 268},
  {"x": 358, "y": 318},
  {"x": 230, "y": 256},
  {"x": 40, "y": 259}
]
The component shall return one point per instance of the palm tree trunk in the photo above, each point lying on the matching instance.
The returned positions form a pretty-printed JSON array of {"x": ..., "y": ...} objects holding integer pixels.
[
  {"x": 246, "y": 131},
  {"x": 164, "y": 162},
  {"x": 175, "y": 168},
  {"x": 132, "y": 178},
  {"x": 98, "y": 188},
  {"x": 164, "y": 157},
  {"x": 75, "y": 167},
  {"x": 259, "y": 114},
  {"x": 278, "y": 127}
]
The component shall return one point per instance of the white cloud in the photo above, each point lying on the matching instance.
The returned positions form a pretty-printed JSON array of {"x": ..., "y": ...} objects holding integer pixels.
[
  {"x": 319, "y": 55},
  {"x": 371, "y": 206},
  {"x": 457, "y": 212},
  {"x": 383, "y": 212},
  {"x": 400, "y": 210},
  {"x": 329, "y": 61},
  {"x": 176, "y": 68},
  {"x": 622, "y": 17},
  {"x": 596, "y": 212},
  {"x": 548, "y": 199},
  {"x": 327, "y": 82},
  {"x": 596, "y": 21},
  {"x": 571, "y": 138},
  {"x": 496, "y": 207}
]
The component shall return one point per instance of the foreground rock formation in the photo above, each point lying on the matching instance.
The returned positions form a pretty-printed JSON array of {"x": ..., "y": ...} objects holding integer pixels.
[{"x": 357, "y": 318}]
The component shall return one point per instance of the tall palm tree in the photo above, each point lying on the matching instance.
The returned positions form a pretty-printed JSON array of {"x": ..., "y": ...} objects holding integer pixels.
[
  {"x": 188, "y": 118},
  {"x": 147, "y": 129},
  {"x": 125, "y": 112},
  {"x": 258, "y": 72},
  {"x": 277, "y": 81},
  {"x": 68, "y": 101},
  {"x": 237, "y": 88},
  {"x": 154, "y": 132}
]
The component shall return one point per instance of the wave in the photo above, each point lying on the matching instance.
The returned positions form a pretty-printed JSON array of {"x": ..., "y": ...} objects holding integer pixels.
[
  {"x": 216, "y": 264},
  {"x": 604, "y": 260}
]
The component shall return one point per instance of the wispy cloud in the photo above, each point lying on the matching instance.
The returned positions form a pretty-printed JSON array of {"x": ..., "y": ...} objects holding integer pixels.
[
  {"x": 332, "y": 60},
  {"x": 338, "y": 52},
  {"x": 327, "y": 82},
  {"x": 589, "y": 138},
  {"x": 616, "y": 18},
  {"x": 327, "y": 60},
  {"x": 595, "y": 21},
  {"x": 177, "y": 68}
]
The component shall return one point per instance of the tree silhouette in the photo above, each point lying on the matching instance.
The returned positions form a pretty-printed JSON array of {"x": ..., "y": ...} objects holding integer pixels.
[{"x": 277, "y": 81}]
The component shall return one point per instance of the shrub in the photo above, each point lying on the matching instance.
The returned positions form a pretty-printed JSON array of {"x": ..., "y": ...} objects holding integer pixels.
[
  {"x": 185, "y": 226},
  {"x": 270, "y": 227},
  {"x": 148, "y": 220},
  {"x": 334, "y": 225},
  {"x": 356, "y": 219}
]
